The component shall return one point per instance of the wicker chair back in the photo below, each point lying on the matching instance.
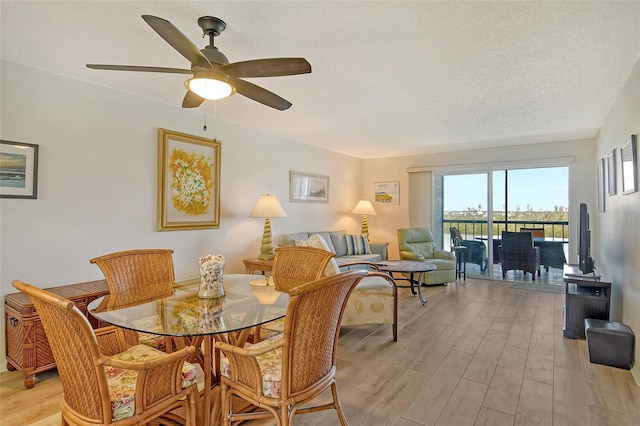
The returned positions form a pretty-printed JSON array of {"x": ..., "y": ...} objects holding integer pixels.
[
  {"x": 136, "y": 275},
  {"x": 298, "y": 265}
]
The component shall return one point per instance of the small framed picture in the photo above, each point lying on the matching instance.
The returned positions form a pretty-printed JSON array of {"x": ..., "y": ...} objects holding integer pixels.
[
  {"x": 308, "y": 188},
  {"x": 611, "y": 172},
  {"x": 386, "y": 192},
  {"x": 18, "y": 170},
  {"x": 629, "y": 165},
  {"x": 188, "y": 182},
  {"x": 600, "y": 184}
]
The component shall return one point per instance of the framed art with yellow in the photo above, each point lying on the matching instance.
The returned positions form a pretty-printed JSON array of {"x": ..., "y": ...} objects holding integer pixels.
[{"x": 188, "y": 181}]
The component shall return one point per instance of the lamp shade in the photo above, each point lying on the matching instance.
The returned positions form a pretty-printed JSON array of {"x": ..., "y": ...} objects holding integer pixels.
[
  {"x": 266, "y": 294},
  {"x": 364, "y": 207},
  {"x": 268, "y": 206}
]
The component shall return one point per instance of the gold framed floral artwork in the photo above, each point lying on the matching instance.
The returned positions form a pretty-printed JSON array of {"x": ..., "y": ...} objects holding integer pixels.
[{"x": 188, "y": 182}]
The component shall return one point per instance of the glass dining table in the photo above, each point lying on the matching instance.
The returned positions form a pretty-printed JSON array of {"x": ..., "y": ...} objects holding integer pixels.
[{"x": 249, "y": 301}]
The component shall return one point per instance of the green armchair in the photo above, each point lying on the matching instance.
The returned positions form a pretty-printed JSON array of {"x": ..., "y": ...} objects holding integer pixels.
[{"x": 418, "y": 244}]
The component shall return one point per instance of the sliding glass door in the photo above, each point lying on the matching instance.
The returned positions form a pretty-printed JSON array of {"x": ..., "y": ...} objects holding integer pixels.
[
  {"x": 464, "y": 205},
  {"x": 482, "y": 204}
]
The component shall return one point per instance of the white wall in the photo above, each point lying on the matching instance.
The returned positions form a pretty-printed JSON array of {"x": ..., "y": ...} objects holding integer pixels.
[
  {"x": 97, "y": 182},
  {"x": 618, "y": 228}
]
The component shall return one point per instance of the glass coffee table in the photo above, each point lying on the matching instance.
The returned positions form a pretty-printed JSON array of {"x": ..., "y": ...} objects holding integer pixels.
[{"x": 410, "y": 267}]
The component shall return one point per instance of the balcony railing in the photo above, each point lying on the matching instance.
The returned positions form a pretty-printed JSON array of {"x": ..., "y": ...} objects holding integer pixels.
[
  {"x": 477, "y": 229},
  {"x": 472, "y": 229}
]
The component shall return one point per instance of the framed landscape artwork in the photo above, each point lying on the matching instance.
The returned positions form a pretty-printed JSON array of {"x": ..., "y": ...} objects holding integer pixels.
[
  {"x": 600, "y": 184},
  {"x": 18, "y": 170},
  {"x": 629, "y": 165},
  {"x": 308, "y": 188},
  {"x": 611, "y": 172},
  {"x": 188, "y": 182},
  {"x": 386, "y": 192}
]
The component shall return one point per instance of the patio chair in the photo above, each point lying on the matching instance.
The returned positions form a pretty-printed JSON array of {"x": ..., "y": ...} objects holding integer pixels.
[
  {"x": 535, "y": 232},
  {"x": 476, "y": 250},
  {"x": 518, "y": 253},
  {"x": 285, "y": 372},
  {"x": 103, "y": 381}
]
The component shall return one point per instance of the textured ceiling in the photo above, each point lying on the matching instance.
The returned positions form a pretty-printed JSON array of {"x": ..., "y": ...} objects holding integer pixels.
[{"x": 389, "y": 78}]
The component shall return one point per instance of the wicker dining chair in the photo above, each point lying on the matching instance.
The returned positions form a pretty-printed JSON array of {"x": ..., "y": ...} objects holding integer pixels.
[
  {"x": 293, "y": 265},
  {"x": 136, "y": 275},
  {"x": 299, "y": 264},
  {"x": 103, "y": 381},
  {"x": 282, "y": 373}
]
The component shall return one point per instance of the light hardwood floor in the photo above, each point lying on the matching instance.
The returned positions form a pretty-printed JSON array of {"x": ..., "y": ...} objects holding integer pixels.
[{"x": 479, "y": 353}]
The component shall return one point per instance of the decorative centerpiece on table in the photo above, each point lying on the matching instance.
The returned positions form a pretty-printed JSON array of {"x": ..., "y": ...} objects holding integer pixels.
[
  {"x": 211, "y": 272},
  {"x": 209, "y": 312}
]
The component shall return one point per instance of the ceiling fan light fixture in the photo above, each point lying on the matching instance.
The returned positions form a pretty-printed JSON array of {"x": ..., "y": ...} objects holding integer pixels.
[{"x": 209, "y": 88}]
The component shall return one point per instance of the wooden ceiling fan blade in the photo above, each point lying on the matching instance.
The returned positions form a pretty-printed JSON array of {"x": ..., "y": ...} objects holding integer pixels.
[
  {"x": 139, "y": 68},
  {"x": 259, "y": 94},
  {"x": 273, "y": 67},
  {"x": 177, "y": 40},
  {"x": 191, "y": 100}
]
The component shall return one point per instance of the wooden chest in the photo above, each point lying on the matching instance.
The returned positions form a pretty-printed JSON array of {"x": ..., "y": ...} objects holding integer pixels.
[{"x": 26, "y": 343}]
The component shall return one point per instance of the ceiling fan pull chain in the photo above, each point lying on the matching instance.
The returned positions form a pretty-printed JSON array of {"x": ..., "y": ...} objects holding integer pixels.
[
  {"x": 215, "y": 113},
  {"x": 205, "y": 117}
]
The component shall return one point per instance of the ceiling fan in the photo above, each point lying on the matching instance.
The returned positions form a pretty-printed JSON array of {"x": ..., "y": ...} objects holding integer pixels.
[{"x": 213, "y": 76}]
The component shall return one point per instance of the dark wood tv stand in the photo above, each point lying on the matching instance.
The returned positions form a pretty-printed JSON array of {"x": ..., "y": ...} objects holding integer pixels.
[{"x": 586, "y": 296}]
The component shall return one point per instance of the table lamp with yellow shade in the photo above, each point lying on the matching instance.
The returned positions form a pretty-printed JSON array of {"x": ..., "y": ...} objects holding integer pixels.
[
  {"x": 267, "y": 207},
  {"x": 364, "y": 207}
]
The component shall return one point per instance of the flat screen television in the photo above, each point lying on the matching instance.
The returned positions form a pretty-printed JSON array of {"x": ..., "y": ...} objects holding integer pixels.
[{"x": 585, "y": 262}]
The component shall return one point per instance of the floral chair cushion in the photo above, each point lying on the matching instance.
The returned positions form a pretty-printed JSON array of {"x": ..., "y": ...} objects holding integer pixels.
[
  {"x": 271, "y": 329},
  {"x": 151, "y": 323},
  {"x": 122, "y": 383},
  {"x": 153, "y": 340},
  {"x": 270, "y": 366}
]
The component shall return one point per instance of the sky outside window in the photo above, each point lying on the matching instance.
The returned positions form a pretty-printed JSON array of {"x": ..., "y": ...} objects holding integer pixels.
[{"x": 542, "y": 189}]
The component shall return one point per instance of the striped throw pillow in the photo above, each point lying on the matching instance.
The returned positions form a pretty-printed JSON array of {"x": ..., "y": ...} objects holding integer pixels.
[{"x": 357, "y": 244}]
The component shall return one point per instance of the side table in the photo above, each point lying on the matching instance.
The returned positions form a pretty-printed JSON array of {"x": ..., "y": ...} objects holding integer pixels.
[
  {"x": 461, "y": 263},
  {"x": 254, "y": 264}
]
